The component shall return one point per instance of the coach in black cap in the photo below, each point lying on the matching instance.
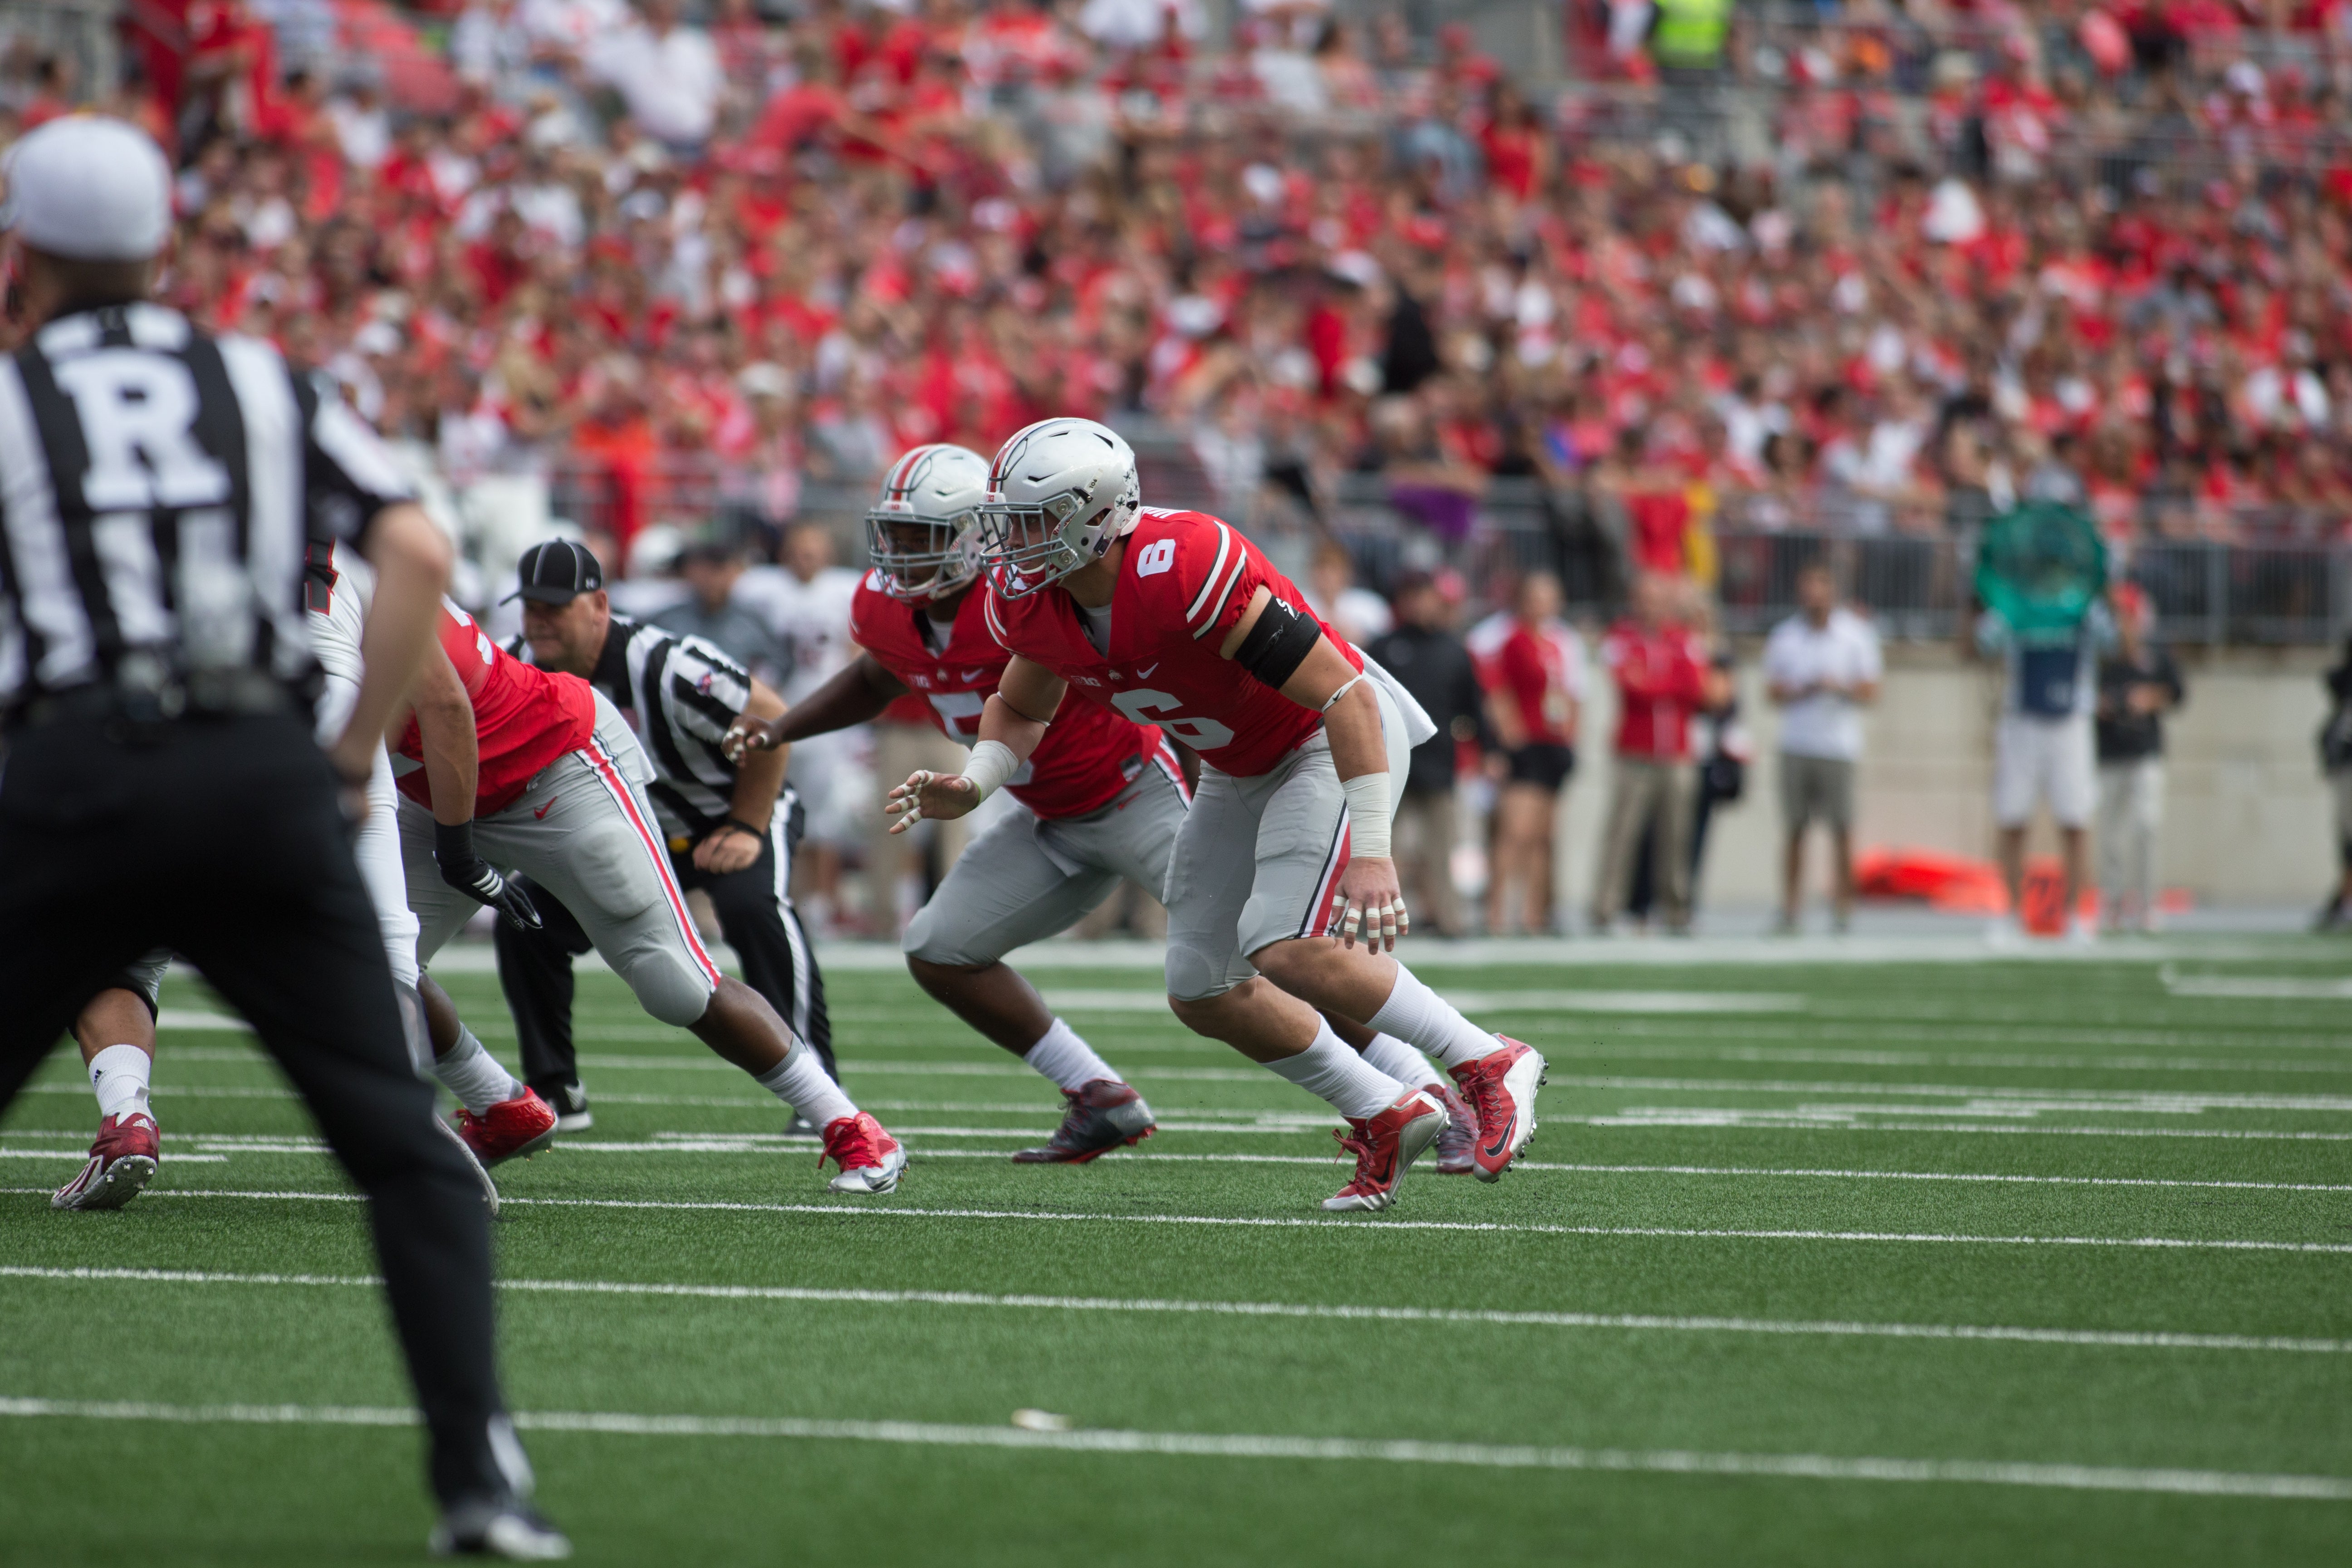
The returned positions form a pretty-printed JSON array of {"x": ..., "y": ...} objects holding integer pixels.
[
  {"x": 159, "y": 490},
  {"x": 730, "y": 829}
]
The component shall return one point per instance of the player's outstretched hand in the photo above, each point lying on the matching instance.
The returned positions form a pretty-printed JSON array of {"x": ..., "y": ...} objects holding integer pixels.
[
  {"x": 939, "y": 796},
  {"x": 1369, "y": 902},
  {"x": 747, "y": 734}
]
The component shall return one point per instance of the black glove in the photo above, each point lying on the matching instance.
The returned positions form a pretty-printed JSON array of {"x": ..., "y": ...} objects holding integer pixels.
[{"x": 462, "y": 868}]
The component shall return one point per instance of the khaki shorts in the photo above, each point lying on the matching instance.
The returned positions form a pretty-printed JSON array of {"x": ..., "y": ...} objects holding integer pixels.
[
  {"x": 1025, "y": 878},
  {"x": 1258, "y": 859},
  {"x": 1816, "y": 789}
]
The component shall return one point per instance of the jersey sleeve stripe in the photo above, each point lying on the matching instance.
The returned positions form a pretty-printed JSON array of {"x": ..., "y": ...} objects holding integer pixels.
[
  {"x": 1224, "y": 547},
  {"x": 1241, "y": 559},
  {"x": 995, "y": 622}
]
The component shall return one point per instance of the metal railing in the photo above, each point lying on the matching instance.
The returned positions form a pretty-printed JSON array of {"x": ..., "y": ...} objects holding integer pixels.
[{"x": 2243, "y": 592}]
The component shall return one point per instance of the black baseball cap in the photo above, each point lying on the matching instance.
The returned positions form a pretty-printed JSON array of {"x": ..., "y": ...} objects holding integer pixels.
[{"x": 556, "y": 573}]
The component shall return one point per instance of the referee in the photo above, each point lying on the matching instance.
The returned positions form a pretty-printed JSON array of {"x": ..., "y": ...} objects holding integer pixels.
[
  {"x": 730, "y": 833},
  {"x": 158, "y": 489}
]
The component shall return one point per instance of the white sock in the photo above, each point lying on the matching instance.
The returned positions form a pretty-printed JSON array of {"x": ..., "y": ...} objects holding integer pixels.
[
  {"x": 119, "y": 1074},
  {"x": 1062, "y": 1055},
  {"x": 1420, "y": 1016},
  {"x": 1331, "y": 1071},
  {"x": 473, "y": 1075},
  {"x": 1401, "y": 1061},
  {"x": 800, "y": 1082}
]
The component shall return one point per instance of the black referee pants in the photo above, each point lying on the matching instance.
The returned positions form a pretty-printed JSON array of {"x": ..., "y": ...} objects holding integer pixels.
[
  {"x": 759, "y": 923},
  {"x": 223, "y": 840}
]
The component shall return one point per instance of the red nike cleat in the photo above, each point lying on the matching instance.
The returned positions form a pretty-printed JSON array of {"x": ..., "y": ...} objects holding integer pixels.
[
  {"x": 1385, "y": 1147},
  {"x": 1102, "y": 1116},
  {"x": 122, "y": 1162},
  {"x": 522, "y": 1126},
  {"x": 1501, "y": 1087},
  {"x": 1457, "y": 1143},
  {"x": 870, "y": 1158}
]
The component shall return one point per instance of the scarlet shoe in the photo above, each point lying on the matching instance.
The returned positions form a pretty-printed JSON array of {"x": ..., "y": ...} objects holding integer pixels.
[
  {"x": 1103, "y": 1115},
  {"x": 122, "y": 1162},
  {"x": 1386, "y": 1146},
  {"x": 1501, "y": 1087},
  {"x": 1457, "y": 1144},
  {"x": 518, "y": 1127},
  {"x": 870, "y": 1158}
]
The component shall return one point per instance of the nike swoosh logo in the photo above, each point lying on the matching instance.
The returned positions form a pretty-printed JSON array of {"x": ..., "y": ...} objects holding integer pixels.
[
  {"x": 541, "y": 813},
  {"x": 974, "y": 674},
  {"x": 1143, "y": 671},
  {"x": 1496, "y": 1150}
]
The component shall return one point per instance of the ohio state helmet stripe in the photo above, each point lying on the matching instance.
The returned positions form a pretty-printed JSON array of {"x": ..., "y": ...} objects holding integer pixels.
[{"x": 1224, "y": 544}]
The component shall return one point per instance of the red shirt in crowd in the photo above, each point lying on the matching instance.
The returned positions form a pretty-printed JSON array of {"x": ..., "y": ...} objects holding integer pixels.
[
  {"x": 524, "y": 717},
  {"x": 1661, "y": 682},
  {"x": 1538, "y": 673}
]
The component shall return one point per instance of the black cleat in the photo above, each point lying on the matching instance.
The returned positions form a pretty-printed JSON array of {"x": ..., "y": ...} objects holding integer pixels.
[
  {"x": 571, "y": 1103},
  {"x": 1103, "y": 1115},
  {"x": 512, "y": 1531}
]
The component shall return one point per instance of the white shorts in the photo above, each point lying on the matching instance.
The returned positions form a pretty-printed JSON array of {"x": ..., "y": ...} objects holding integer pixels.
[
  {"x": 584, "y": 831},
  {"x": 1023, "y": 878},
  {"x": 1258, "y": 859},
  {"x": 834, "y": 777},
  {"x": 2043, "y": 759}
]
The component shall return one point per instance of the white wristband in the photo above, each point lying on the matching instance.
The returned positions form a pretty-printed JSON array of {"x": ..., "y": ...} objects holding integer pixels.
[
  {"x": 1369, "y": 804},
  {"x": 991, "y": 764}
]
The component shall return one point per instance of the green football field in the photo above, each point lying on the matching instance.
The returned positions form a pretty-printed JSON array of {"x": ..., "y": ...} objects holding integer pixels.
[{"x": 1930, "y": 1261}]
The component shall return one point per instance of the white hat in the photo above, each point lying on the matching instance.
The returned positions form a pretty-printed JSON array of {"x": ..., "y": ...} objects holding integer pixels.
[{"x": 89, "y": 188}]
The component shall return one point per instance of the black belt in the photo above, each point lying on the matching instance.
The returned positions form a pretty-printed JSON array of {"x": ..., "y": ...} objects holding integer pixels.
[{"x": 130, "y": 710}]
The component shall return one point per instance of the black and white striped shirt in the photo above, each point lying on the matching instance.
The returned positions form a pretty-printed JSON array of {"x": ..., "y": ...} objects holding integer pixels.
[
  {"x": 158, "y": 490},
  {"x": 681, "y": 693}
]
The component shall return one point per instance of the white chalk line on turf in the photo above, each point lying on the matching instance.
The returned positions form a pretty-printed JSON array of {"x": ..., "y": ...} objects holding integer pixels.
[
  {"x": 2117, "y": 1339},
  {"x": 1360, "y": 1227},
  {"x": 770, "y": 1144},
  {"x": 1234, "y": 1446}
]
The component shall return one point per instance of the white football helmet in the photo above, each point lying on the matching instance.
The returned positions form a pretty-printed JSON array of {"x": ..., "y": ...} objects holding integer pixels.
[
  {"x": 1058, "y": 494},
  {"x": 923, "y": 533}
]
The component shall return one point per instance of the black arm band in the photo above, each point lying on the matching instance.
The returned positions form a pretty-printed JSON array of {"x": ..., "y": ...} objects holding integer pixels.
[
  {"x": 1279, "y": 644},
  {"x": 452, "y": 842}
]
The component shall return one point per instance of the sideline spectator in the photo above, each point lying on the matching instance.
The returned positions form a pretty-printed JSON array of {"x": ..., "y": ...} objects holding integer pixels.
[
  {"x": 667, "y": 73},
  {"x": 1661, "y": 677},
  {"x": 2042, "y": 752},
  {"x": 1535, "y": 690},
  {"x": 1821, "y": 668},
  {"x": 711, "y": 568},
  {"x": 1431, "y": 662},
  {"x": 2139, "y": 684},
  {"x": 2335, "y": 762},
  {"x": 1357, "y": 614}
]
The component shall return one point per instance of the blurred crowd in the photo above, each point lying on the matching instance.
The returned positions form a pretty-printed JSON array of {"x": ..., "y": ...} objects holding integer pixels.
[{"x": 665, "y": 261}]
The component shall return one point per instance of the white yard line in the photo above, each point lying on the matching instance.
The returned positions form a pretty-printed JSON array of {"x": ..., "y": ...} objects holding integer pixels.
[
  {"x": 79, "y": 1154},
  {"x": 1203, "y": 1445},
  {"x": 2115, "y": 1339},
  {"x": 1368, "y": 1227}
]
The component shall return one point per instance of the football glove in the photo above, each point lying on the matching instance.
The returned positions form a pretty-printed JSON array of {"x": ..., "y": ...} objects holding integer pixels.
[{"x": 463, "y": 870}]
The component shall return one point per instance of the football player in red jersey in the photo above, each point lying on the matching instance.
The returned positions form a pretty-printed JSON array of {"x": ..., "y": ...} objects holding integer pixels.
[
  {"x": 557, "y": 793},
  {"x": 1174, "y": 618},
  {"x": 1103, "y": 796}
]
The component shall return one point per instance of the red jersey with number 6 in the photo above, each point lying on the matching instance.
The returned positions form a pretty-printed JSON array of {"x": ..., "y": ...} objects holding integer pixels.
[
  {"x": 1088, "y": 753},
  {"x": 524, "y": 718},
  {"x": 1186, "y": 579}
]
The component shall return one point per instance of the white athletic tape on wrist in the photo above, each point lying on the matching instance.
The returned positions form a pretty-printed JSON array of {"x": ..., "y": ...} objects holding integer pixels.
[
  {"x": 1367, "y": 815},
  {"x": 991, "y": 764}
]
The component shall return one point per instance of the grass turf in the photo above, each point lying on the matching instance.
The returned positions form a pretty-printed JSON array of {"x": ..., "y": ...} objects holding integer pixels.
[{"x": 1671, "y": 1133}]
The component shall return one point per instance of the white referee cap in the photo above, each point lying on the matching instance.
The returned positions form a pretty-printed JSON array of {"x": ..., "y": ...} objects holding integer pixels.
[{"x": 89, "y": 188}]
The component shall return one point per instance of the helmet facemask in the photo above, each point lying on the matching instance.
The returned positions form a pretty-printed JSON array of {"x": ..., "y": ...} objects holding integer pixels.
[
  {"x": 919, "y": 558},
  {"x": 1031, "y": 546}
]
